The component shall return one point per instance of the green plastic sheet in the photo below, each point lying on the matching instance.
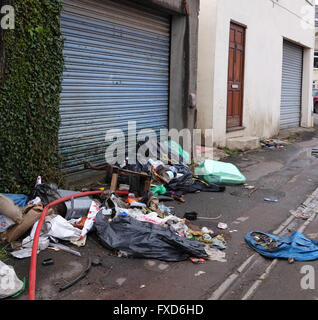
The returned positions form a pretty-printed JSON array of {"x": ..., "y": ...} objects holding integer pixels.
[
  {"x": 220, "y": 173},
  {"x": 157, "y": 190}
]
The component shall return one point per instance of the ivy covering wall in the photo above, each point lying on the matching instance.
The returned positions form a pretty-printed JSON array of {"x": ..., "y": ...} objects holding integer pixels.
[{"x": 30, "y": 97}]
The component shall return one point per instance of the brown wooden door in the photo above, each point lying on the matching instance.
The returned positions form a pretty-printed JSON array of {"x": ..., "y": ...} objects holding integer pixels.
[{"x": 235, "y": 76}]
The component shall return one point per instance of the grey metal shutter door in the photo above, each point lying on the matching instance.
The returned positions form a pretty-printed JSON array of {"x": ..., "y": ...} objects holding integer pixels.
[
  {"x": 116, "y": 70},
  {"x": 290, "y": 110}
]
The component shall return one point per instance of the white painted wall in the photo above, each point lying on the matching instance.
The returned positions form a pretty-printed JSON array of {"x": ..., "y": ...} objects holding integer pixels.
[{"x": 268, "y": 22}]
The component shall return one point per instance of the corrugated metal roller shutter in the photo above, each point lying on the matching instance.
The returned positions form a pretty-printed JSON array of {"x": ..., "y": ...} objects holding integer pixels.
[
  {"x": 290, "y": 110},
  {"x": 116, "y": 70}
]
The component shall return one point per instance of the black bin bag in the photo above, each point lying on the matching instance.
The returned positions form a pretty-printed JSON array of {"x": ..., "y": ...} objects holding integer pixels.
[{"x": 146, "y": 240}]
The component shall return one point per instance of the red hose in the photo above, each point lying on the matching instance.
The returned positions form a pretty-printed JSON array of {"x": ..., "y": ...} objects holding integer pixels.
[{"x": 32, "y": 275}]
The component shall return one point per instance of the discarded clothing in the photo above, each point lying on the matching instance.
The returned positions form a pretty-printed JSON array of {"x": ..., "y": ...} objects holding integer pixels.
[
  {"x": 146, "y": 240},
  {"x": 297, "y": 246}
]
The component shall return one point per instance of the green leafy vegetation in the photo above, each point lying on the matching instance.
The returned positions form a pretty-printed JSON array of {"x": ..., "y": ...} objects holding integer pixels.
[
  {"x": 231, "y": 152},
  {"x": 30, "y": 97},
  {"x": 3, "y": 254}
]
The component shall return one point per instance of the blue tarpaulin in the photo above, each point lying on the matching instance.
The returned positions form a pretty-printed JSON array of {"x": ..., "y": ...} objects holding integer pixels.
[
  {"x": 297, "y": 246},
  {"x": 19, "y": 199}
]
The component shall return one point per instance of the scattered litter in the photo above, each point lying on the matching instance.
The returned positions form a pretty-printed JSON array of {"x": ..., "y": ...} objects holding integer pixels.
[
  {"x": 206, "y": 230},
  {"x": 158, "y": 190},
  {"x": 191, "y": 215},
  {"x": 218, "y": 242},
  {"x": 47, "y": 262},
  {"x": 300, "y": 214},
  {"x": 252, "y": 191},
  {"x": 270, "y": 200},
  {"x": 31, "y": 214},
  {"x": 10, "y": 283},
  {"x": 273, "y": 144},
  {"x": 80, "y": 242},
  {"x": 197, "y": 261},
  {"x": 120, "y": 281},
  {"x": 142, "y": 286},
  {"x": 199, "y": 273},
  {"x": 215, "y": 254},
  {"x": 76, "y": 207},
  {"x": 65, "y": 248},
  {"x": 163, "y": 266},
  {"x": 291, "y": 260},
  {"x": 128, "y": 216},
  {"x": 89, "y": 222},
  {"x": 249, "y": 187},
  {"x": 26, "y": 247},
  {"x": 222, "y": 225}
]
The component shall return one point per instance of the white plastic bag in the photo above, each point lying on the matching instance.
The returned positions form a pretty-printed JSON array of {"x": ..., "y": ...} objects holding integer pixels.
[
  {"x": 27, "y": 244},
  {"x": 9, "y": 282},
  {"x": 60, "y": 228}
]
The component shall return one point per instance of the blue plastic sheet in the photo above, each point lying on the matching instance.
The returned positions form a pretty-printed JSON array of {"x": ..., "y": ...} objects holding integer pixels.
[
  {"x": 297, "y": 246},
  {"x": 19, "y": 199}
]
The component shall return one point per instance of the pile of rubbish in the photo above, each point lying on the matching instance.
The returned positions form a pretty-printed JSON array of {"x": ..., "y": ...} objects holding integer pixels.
[
  {"x": 129, "y": 217},
  {"x": 273, "y": 144}
]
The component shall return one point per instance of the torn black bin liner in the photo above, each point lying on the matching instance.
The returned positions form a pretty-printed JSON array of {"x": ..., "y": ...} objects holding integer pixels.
[
  {"x": 191, "y": 184},
  {"x": 146, "y": 240}
]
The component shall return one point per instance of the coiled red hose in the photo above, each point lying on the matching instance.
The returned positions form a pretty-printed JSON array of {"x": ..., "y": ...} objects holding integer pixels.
[{"x": 32, "y": 275}]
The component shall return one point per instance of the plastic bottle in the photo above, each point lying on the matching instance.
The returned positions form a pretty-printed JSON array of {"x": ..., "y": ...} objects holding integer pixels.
[
  {"x": 38, "y": 181},
  {"x": 131, "y": 198}
]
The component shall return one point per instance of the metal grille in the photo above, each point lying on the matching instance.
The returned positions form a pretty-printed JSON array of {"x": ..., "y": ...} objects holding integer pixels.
[
  {"x": 290, "y": 110},
  {"x": 116, "y": 70}
]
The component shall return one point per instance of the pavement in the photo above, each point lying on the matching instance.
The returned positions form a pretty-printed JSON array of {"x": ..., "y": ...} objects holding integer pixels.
[{"x": 289, "y": 175}]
